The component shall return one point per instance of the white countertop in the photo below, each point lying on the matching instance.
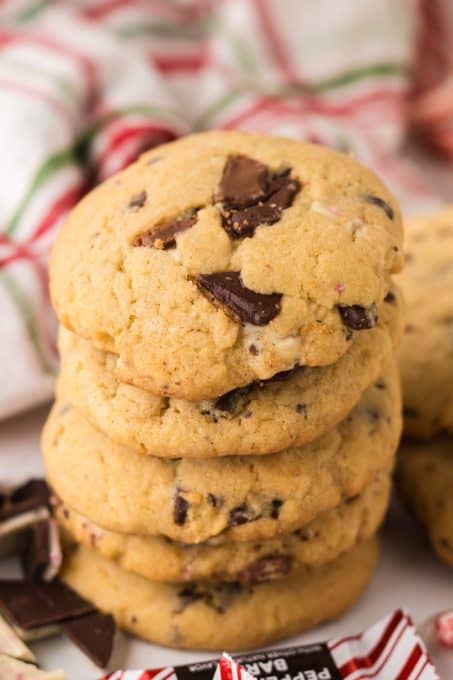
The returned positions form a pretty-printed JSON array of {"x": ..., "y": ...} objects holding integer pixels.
[{"x": 407, "y": 576}]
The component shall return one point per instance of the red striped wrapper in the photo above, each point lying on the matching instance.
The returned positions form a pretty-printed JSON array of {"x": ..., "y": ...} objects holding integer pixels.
[{"x": 389, "y": 650}]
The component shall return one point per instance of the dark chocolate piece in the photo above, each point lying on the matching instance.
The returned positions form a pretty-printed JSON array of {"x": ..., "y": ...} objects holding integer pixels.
[
  {"x": 30, "y": 604},
  {"x": 163, "y": 236},
  {"x": 35, "y": 557},
  {"x": 34, "y": 489},
  {"x": 219, "y": 596},
  {"x": 359, "y": 318},
  {"x": 215, "y": 501},
  {"x": 242, "y": 223},
  {"x": 380, "y": 203},
  {"x": 229, "y": 401},
  {"x": 29, "y": 496},
  {"x": 180, "y": 510},
  {"x": 241, "y": 514},
  {"x": 266, "y": 569},
  {"x": 137, "y": 201},
  {"x": 276, "y": 504},
  {"x": 301, "y": 408},
  {"x": 282, "y": 375},
  {"x": 227, "y": 290},
  {"x": 187, "y": 596},
  {"x": 93, "y": 634},
  {"x": 390, "y": 297},
  {"x": 244, "y": 182}
]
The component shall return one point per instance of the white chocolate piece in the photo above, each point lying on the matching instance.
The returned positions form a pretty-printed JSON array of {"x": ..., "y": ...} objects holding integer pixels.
[
  {"x": 23, "y": 521},
  {"x": 12, "y": 669},
  {"x": 55, "y": 553},
  {"x": 39, "y": 633},
  {"x": 12, "y": 645}
]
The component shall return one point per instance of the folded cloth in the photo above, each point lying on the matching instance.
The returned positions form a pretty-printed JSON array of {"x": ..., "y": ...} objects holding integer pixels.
[{"x": 86, "y": 86}]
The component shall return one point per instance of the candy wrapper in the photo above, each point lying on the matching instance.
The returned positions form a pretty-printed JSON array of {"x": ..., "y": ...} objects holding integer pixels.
[{"x": 389, "y": 650}]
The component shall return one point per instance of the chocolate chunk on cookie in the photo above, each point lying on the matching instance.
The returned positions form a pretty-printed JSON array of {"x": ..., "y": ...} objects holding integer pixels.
[
  {"x": 163, "y": 236},
  {"x": 244, "y": 182},
  {"x": 137, "y": 201},
  {"x": 241, "y": 514},
  {"x": 266, "y": 569},
  {"x": 227, "y": 290},
  {"x": 180, "y": 510},
  {"x": 380, "y": 203},
  {"x": 359, "y": 318},
  {"x": 252, "y": 195}
]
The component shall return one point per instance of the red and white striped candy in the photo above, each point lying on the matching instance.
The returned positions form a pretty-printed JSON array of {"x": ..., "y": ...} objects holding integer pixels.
[{"x": 444, "y": 628}]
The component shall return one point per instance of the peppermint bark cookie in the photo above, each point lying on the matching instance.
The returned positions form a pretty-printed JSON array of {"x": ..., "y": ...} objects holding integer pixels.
[
  {"x": 247, "y": 498},
  {"x": 159, "y": 559},
  {"x": 290, "y": 409},
  {"x": 425, "y": 483},
  {"x": 225, "y": 258},
  {"x": 218, "y": 616},
  {"x": 427, "y": 350}
]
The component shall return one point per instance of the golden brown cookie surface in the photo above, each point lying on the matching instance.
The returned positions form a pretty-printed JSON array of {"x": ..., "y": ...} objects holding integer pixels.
[{"x": 226, "y": 257}]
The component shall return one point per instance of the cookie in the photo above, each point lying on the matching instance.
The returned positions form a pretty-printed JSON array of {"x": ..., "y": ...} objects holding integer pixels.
[
  {"x": 258, "y": 419},
  {"x": 247, "y": 497},
  {"x": 226, "y": 257},
  {"x": 427, "y": 349},
  {"x": 221, "y": 616},
  {"x": 425, "y": 483},
  {"x": 159, "y": 559}
]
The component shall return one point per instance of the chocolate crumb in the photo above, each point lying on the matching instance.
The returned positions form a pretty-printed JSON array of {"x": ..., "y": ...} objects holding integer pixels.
[
  {"x": 229, "y": 401},
  {"x": 137, "y": 201},
  {"x": 301, "y": 408},
  {"x": 390, "y": 298}
]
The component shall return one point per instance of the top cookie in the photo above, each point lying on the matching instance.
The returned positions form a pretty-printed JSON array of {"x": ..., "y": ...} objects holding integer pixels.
[
  {"x": 427, "y": 349},
  {"x": 226, "y": 257}
]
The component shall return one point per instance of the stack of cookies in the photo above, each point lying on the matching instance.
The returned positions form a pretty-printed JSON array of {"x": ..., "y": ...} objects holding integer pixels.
[
  {"x": 425, "y": 470},
  {"x": 228, "y": 407}
]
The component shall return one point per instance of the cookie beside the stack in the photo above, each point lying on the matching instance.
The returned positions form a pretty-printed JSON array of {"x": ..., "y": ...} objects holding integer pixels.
[
  {"x": 228, "y": 407},
  {"x": 425, "y": 469}
]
